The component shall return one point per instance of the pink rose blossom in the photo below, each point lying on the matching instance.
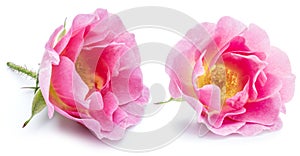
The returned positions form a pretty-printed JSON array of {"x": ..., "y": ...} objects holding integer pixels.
[
  {"x": 232, "y": 77},
  {"x": 92, "y": 75}
]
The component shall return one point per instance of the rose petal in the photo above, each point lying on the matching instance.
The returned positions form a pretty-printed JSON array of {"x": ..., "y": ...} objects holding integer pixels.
[
  {"x": 50, "y": 57},
  {"x": 179, "y": 67},
  {"x": 283, "y": 71},
  {"x": 116, "y": 134},
  {"x": 95, "y": 101},
  {"x": 251, "y": 67},
  {"x": 237, "y": 44},
  {"x": 227, "y": 128},
  {"x": 110, "y": 102},
  {"x": 210, "y": 96},
  {"x": 257, "y": 39},
  {"x": 104, "y": 31},
  {"x": 269, "y": 88},
  {"x": 74, "y": 46},
  {"x": 240, "y": 98},
  {"x": 216, "y": 120},
  {"x": 127, "y": 86},
  {"x": 251, "y": 129},
  {"x": 104, "y": 120},
  {"x": 63, "y": 87},
  {"x": 227, "y": 28},
  {"x": 263, "y": 112}
]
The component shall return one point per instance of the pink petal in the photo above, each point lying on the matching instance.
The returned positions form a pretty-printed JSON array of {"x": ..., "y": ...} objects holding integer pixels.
[
  {"x": 130, "y": 121},
  {"x": 249, "y": 67},
  {"x": 227, "y": 128},
  {"x": 104, "y": 31},
  {"x": 209, "y": 27},
  {"x": 123, "y": 119},
  {"x": 95, "y": 101},
  {"x": 216, "y": 119},
  {"x": 195, "y": 104},
  {"x": 79, "y": 25},
  {"x": 119, "y": 115},
  {"x": 116, "y": 134},
  {"x": 199, "y": 39},
  {"x": 279, "y": 65},
  {"x": 127, "y": 86},
  {"x": 82, "y": 21},
  {"x": 74, "y": 46},
  {"x": 210, "y": 96},
  {"x": 174, "y": 88},
  {"x": 257, "y": 39},
  {"x": 50, "y": 57},
  {"x": 52, "y": 39},
  {"x": 262, "y": 112},
  {"x": 80, "y": 92},
  {"x": 269, "y": 88},
  {"x": 110, "y": 102},
  {"x": 121, "y": 54},
  {"x": 179, "y": 67},
  {"x": 237, "y": 44},
  {"x": 250, "y": 129},
  {"x": 227, "y": 28},
  {"x": 240, "y": 99},
  {"x": 63, "y": 87},
  {"x": 104, "y": 120}
]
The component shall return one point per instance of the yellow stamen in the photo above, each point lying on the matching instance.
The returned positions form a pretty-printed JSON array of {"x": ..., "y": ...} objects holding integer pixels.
[
  {"x": 225, "y": 78},
  {"x": 88, "y": 74}
]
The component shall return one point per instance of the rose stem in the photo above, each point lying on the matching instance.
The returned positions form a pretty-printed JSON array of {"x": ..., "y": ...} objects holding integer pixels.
[{"x": 21, "y": 69}]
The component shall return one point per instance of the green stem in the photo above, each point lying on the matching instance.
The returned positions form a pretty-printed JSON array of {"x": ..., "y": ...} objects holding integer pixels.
[
  {"x": 22, "y": 70},
  {"x": 171, "y": 99}
]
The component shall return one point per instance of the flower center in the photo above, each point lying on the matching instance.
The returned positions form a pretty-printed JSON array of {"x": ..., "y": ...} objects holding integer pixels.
[
  {"x": 225, "y": 78},
  {"x": 88, "y": 73}
]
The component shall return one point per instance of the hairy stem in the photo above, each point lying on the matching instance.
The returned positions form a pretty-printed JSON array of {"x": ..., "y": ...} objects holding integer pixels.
[{"x": 22, "y": 69}]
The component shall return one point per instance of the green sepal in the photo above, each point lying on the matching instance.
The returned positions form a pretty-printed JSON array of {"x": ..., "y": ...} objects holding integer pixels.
[
  {"x": 38, "y": 104},
  {"x": 63, "y": 33}
]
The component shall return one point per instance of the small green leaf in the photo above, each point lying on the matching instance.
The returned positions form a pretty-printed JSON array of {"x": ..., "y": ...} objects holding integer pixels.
[
  {"x": 38, "y": 104},
  {"x": 62, "y": 34}
]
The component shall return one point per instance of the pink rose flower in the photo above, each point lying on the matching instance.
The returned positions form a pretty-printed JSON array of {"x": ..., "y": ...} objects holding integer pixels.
[
  {"x": 92, "y": 75},
  {"x": 232, "y": 77}
]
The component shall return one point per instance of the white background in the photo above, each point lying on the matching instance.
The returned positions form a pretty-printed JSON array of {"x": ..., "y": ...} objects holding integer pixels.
[{"x": 26, "y": 26}]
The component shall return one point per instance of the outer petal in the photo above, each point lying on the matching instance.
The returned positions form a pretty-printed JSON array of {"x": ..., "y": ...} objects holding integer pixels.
[
  {"x": 79, "y": 24},
  {"x": 179, "y": 66},
  {"x": 104, "y": 31},
  {"x": 227, "y": 28},
  {"x": 185, "y": 54},
  {"x": 136, "y": 107},
  {"x": 257, "y": 39},
  {"x": 250, "y": 129},
  {"x": 70, "y": 92},
  {"x": 50, "y": 57},
  {"x": 269, "y": 88},
  {"x": 227, "y": 128},
  {"x": 279, "y": 65},
  {"x": 262, "y": 112},
  {"x": 74, "y": 45}
]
